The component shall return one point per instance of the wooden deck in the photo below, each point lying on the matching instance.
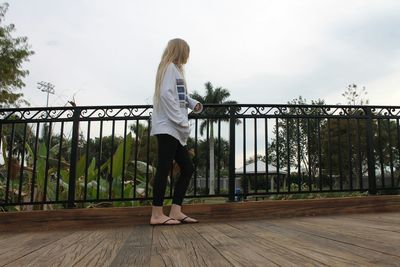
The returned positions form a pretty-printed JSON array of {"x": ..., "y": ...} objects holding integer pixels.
[{"x": 370, "y": 238}]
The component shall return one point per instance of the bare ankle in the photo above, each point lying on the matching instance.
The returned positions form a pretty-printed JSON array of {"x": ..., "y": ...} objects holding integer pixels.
[
  {"x": 176, "y": 208},
  {"x": 157, "y": 212}
]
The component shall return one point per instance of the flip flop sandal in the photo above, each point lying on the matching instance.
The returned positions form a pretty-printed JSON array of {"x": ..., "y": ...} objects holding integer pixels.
[
  {"x": 164, "y": 223},
  {"x": 183, "y": 220}
]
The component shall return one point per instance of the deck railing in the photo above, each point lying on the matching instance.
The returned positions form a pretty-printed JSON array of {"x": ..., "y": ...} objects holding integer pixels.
[{"x": 76, "y": 156}]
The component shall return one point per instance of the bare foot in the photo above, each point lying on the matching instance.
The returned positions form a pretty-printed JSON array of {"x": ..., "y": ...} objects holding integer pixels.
[
  {"x": 162, "y": 219},
  {"x": 180, "y": 216}
]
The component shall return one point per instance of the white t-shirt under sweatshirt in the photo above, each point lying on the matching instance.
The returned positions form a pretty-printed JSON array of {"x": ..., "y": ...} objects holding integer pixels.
[{"x": 171, "y": 116}]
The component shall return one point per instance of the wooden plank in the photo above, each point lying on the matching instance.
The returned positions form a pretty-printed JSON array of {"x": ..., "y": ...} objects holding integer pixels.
[
  {"x": 199, "y": 251},
  {"x": 282, "y": 247},
  {"x": 385, "y": 242},
  {"x": 73, "y": 218},
  {"x": 108, "y": 248},
  {"x": 305, "y": 207},
  {"x": 239, "y": 253},
  {"x": 386, "y": 217},
  {"x": 5, "y": 236},
  {"x": 25, "y": 244},
  {"x": 53, "y": 250},
  {"x": 136, "y": 249},
  {"x": 13, "y": 240},
  {"x": 373, "y": 251},
  {"x": 359, "y": 224},
  {"x": 166, "y": 248},
  {"x": 106, "y": 217},
  {"x": 329, "y": 252},
  {"x": 327, "y": 240},
  {"x": 74, "y": 253}
]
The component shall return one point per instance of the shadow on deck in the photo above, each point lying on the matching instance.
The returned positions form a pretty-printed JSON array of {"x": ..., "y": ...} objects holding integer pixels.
[{"x": 354, "y": 231}]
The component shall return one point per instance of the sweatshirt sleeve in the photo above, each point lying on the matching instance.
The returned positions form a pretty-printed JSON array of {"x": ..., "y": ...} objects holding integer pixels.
[
  {"x": 168, "y": 100},
  {"x": 192, "y": 103}
]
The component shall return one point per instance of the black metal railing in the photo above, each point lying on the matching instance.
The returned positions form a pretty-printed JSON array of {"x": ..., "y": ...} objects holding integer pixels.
[{"x": 76, "y": 156}]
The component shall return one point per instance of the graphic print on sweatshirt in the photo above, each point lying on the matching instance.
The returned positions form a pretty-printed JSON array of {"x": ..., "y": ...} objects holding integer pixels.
[{"x": 180, "y": 87}]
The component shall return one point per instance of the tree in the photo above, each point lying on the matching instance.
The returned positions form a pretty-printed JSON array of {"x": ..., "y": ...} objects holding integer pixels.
[
  {"x": 141, "y": 133},
  {"x": 13, "y": 52},
  {"x": 251, "y": 159},
  {"x": 354, "y": 96},
  {"x": 221, "y": 155},
  {"x": 345, "y": 140},
  {"x": 296, "y": 140},
  {"x": 213, "y": 95}
]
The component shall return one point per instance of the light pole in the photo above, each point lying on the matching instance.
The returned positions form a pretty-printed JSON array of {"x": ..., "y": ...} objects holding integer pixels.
[{"x": 47, "y": 88}]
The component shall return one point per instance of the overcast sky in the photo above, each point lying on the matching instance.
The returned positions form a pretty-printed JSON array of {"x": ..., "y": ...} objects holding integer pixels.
[{"x": 107, "y": 52}]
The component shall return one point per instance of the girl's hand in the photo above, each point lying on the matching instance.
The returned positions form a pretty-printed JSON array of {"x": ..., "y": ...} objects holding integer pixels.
[{"x": 197, "y": 107}]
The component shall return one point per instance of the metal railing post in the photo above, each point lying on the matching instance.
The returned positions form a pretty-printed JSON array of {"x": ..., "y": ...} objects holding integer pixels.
[
  {"x": 74, "y": 158},
  {"x": 370, "y": 153},
  {"x": 232, "y": 154}
]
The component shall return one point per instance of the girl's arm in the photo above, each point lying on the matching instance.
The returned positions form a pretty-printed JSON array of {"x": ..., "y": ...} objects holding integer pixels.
[
  {"x": 168, "y": 99},
  {"x": 192, "y": 104}
]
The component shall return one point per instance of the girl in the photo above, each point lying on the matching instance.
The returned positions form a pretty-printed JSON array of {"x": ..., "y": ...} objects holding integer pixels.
[{"x": 169, "y": 123}]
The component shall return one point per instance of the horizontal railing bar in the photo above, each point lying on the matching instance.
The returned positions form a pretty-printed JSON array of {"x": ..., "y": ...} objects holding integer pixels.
[
  {"x": 204, "y": 104},
  {"x": 256, "y": 110},
  {"x": 22, "y": 121}
]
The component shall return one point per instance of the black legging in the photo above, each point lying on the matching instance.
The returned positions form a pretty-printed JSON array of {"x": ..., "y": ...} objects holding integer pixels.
[{"x": 169, "y": 148}]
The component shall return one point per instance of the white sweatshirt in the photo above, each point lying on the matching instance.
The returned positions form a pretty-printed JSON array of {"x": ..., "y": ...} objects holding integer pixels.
[{"x": 171, "y": 117}]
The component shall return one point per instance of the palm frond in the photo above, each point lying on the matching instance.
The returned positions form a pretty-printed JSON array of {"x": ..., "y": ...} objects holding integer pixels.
[
  {"x": 203, "y": 126},
  {"x": 195, "y": 95},
  {"x": 220, "y": 95},
  {"x": 213, "y": 95}
]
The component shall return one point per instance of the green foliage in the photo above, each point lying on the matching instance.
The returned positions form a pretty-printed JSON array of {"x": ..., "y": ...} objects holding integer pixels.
[
  {"x": 335, "y": 146},
  {"x": 145, "y": 143},
  {"x": 316, "y": 195},
  {"x": 213, "y": 95},
  {"x": 291, "y": 136},
  {"x": 354, "y": 96},
  {"x": 87, "y": 171},
  {"x": 221, "y": 155},
  {"x": 14, "y": 51}
]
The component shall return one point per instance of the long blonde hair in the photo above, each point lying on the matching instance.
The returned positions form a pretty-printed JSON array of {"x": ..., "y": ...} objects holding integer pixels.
[{"x": 177, "y": 52}]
